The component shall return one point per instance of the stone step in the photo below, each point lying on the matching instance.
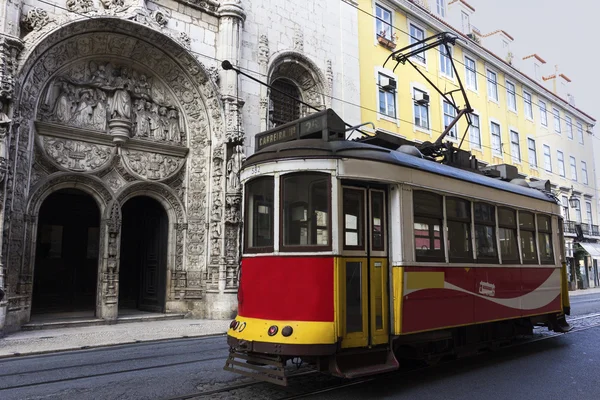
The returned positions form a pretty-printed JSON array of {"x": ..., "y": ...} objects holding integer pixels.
[{"x": 31, "y": 326}]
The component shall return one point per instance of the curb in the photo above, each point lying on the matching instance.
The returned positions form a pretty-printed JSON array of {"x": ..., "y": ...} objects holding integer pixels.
[{"x": 92, "y": 347}]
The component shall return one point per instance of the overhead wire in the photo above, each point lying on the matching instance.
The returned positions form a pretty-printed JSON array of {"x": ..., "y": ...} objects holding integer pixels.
[{"x": 432, "y": 130}]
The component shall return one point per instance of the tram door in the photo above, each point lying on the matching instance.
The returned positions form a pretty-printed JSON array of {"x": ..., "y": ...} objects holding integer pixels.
[{"x": 363, "y": 277}]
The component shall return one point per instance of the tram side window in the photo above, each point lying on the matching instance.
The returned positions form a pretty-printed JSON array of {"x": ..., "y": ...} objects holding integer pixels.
[
  {"x": 545, "y": 239},
  {"x": 259, "y": 214},
  {"x": 305, "y": 209},
  {"x": 458, "y": 215},
  {"x": 428, "y": 222},
  {"x": 527, "y": 231},
  {"x": 485, "y": 232},
  {"x": 507, "y": 222}
]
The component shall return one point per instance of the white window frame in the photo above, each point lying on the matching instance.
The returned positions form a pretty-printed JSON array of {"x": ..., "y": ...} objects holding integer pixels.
[
  {"x": 578, "y": 212},
  {"x": 489, "y": 87},
  {"x": 441, "y": 8},
  {"x": 573, "y": 163},
  {"x": 560, "y": 158},
  {"x": 532, "y": 163},
  {"x": 584, "y": 173},
  {"x": 469, "y": 71},
  {"x": 549, "y": 155},
  {"x": 378, "y": 20},
  {"x": 388, "y": 73},
  {"x": 528, "y": 106},
  {"x": 417, "y": 58},
  {"x": 475, "y": 146},
  {"x": 510, "y": 95},
  {"x": 543, "y": 113},
  {"x": 518, "y": 159},
  {"x": 496, "y": 153},
  {"x": 422, "y": 88},
  {"x": 446, "y": 63},
  {"x": 455, "y": 127},
  {"x": 569, "y": 123},
  {"x": 589, "y": 214},
  {"x": 556, "y": 117},
  {"x": 580, "y": 132}
]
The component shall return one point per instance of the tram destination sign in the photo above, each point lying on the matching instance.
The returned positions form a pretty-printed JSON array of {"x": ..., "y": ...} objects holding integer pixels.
[{"x": 325, "y": 124}]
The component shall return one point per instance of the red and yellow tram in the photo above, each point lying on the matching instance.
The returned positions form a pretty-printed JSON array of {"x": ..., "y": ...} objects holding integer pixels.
[{"x": 358, "y": 255}]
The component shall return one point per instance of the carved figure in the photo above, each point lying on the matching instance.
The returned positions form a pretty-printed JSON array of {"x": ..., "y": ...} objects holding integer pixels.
[
  {"x": 234, "y": 165},
  {"x": 156, "y": 133},
  {"x": 120, "y": 106},
  {"x": 174, "y": 127},
  {"x": 80, "y": 5},
  {"x": 142, "y": 123},
  {"x": 84, "y": 111},
  {"x": 163, "y": 123},
  {"x": 99, "y": 114}
]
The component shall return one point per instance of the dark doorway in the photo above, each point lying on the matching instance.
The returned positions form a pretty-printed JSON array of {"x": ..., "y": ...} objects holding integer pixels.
[
  {"x": 66, "y": 261},
  {"x": 143, "y": 267}
]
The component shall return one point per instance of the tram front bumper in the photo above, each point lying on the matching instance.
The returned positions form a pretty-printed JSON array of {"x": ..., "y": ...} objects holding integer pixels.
[{"x": 295, "y": 350}]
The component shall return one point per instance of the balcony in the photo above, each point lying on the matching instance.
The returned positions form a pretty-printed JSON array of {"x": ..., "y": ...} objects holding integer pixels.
[
  {"x": 570, "y": 227},
  {"x": 586, "y": 229}
]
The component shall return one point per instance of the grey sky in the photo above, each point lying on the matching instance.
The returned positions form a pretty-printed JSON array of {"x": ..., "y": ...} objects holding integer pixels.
[{"x": 561, "y": 32}]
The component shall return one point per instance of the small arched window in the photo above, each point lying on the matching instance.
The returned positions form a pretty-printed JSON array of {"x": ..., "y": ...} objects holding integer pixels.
[{"x": 284, "y": 109}]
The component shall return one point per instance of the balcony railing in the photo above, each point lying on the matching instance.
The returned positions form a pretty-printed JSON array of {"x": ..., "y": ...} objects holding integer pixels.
[{"x": 586, "y": 229}]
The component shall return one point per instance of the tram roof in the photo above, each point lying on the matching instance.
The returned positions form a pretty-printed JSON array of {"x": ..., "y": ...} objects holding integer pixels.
[{"x": 312, "y": 148}]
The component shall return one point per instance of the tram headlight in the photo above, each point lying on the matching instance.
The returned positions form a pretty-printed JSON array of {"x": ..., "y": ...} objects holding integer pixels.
[
  {"x": 242, "y": 326},
  {"x": 287, "y": 331},
  {"x": 273, "y": 330},
  {"x": 233, "y": 325}
]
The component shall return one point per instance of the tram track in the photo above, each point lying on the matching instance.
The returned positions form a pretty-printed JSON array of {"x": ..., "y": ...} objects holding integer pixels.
[{"x": 337, "y": 385}]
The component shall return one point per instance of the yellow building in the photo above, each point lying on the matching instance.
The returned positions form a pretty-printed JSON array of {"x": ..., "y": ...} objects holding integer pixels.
[{"x": 521, "y": 116}]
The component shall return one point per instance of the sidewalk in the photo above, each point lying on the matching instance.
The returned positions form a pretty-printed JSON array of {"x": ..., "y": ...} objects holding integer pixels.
[
  {"x": 584, "y": 291},
  {"x": 61, "y": 339}
]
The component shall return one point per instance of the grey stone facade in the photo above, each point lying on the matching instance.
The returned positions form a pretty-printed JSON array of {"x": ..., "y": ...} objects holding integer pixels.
[{"x": 122, "y": 98}]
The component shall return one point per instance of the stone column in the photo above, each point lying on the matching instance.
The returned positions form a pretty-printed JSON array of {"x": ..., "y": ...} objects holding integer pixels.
[
  {"x": 263, "y": 63},
  {"x": 221, "y": 294},
  {"x": 107, "y": 303},
  {"x": 10, "y": 47}
]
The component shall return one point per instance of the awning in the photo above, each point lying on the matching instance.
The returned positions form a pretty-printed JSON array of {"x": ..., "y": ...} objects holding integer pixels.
[{"x": 593, "y": 249}]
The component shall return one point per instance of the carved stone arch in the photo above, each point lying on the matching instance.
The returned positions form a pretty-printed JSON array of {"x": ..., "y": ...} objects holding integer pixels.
[
  {"x": 305, "y": 73},
  {"x": 92, "y": 186},
  {"x": 177, "y": 273}
]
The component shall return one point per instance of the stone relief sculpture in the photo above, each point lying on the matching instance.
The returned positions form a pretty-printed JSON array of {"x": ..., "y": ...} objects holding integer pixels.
[
  {"x": 93, "y": 95},
  {"x": 152, "y": 166},
  {"x": 234, "y": 165},
  {"x": 76, "y": 155}
]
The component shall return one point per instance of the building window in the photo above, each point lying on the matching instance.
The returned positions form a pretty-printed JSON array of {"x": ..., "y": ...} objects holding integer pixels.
[
  {"x": 466, "y": 24},
  {"x": 260, "y": 216},
  {"x": 511, "y": 96},
  {"x": 471, "y": 73},
  {"x": 449, "y": 115},
  {"x": 441, "y": 8},
  {"x": 475, "y": 132},
  {"x": 305, "y": 205},
  {"x": 421, "y": 109},
  {"x": 445, "y": 62},
  {"x": 354, "y": 220},
  {"x": 561, "y": 163},
  {"x": 573, "y": 169},
  {"x": 515, "y": 147},
  {"x": 485, "y": 232},
  {"x": 496, "y": 140},
  {"x": 578, "y": 212},
  {"x": 547, "y": 159},
  {"x": 383, "y": 22},
  {"x": 532, "y": 152},
  {"x": 556, "y": 113},
  {"x": 527, "y": 230},
  {"x": 588, "y": 211},
  {"x": 545, "y": 239},
  {"x": 387, "y": 95},
  {"x": 543, "y": 115},
  {"x": 416, "y": 35},
  {"x": 285, "y": 109},
  {"x": 492, "y": 85},
  {"x": 584, "y": 175},
  {"x": 580, "y": 132},
  {"x": 528, "y": 105},
  {"x": 569, "y": 127},
  {"x": 507, "y": 224},
  {"x": 428, "y": 222},
  {"x": 458, "y": 216},
  {"x": 565, "y": 204}
]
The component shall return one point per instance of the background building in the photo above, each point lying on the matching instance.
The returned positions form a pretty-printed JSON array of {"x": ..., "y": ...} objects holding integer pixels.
[
  {"x": 524, "y": 114},
  {"x": 122, "y": 139}
]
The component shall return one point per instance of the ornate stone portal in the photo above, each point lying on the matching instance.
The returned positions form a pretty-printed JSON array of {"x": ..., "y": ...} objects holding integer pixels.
[{"x": 118, "y": 109}]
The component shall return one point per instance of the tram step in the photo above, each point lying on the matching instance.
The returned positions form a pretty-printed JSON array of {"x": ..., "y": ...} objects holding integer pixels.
[
  {"x": 262, "y": 368},
  {"x": 370, "y": 362}
]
